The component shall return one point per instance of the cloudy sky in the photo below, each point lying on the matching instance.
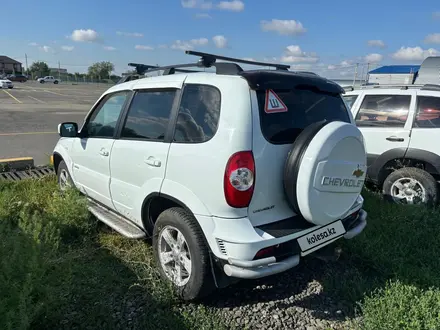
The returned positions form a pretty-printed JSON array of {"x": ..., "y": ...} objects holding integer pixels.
[{"x": 328, "y": 37}]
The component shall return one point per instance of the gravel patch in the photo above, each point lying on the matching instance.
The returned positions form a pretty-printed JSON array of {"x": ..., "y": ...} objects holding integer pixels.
[{"x": 292, "y": 300}]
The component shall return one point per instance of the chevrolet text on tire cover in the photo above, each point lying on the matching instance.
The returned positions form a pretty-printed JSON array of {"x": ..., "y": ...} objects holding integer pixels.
[{"x": 234, "y": 174}]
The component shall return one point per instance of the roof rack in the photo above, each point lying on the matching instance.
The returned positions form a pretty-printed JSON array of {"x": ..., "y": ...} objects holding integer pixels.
[
  {"x": 210, "y": 60},
  {"x": 430, "y": 87}
]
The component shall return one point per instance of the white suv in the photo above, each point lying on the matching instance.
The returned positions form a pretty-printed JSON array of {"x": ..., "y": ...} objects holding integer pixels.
[
  {"x": 234, "y": 174},
  {"x": 49, "y": 79},
  {"x": 400, "y": 125}
]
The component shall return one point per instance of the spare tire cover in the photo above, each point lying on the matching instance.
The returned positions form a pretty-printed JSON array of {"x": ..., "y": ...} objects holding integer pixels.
[{"x": 325, "y": 171}]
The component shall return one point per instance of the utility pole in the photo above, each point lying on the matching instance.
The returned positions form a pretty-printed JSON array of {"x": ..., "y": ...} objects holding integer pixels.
[
  {"x": 362, "y": 74},
  {"x": 367, "y": 77},
  {"x": 355, "y": 73},
  {"x": 27, "y": 67},
  {"x": 59, "y": 70}
]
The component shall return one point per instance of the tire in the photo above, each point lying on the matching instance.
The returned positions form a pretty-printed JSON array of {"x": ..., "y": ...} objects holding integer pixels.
[
  {"x": 422, "y": 178},
  {"x": 63, "y": 170},
  {"x": 41, "y": 81},
  {"x": 55, "y": 82},
  {"x": 200, "y": 281}
]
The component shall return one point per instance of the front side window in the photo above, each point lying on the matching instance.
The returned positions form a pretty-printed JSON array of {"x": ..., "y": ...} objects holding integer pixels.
[
  {"x": 199, "y": 113},
  {"x": 103, "y": 120},
  {"x": 383, "y": 111},
  {"x": 149, "y": 115},
  {"x": 428, "y": 112}
]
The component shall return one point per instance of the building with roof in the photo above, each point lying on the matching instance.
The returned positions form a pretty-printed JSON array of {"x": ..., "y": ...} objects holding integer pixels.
[
  {"x": 393, "y": 74},
  {"x": 9, "y": 65}
]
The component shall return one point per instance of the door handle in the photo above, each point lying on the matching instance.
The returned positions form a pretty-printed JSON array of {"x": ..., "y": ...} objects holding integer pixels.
[
  {"x": 395, "y": 139},
  {"x": 153, "y": 162},
  {"x": 103, "y": 152}
]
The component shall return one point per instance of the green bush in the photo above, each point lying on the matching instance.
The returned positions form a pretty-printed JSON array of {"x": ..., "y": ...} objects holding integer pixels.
[
  {"x": 402, "y": 307},
  {"x": 35, "y": 220}
]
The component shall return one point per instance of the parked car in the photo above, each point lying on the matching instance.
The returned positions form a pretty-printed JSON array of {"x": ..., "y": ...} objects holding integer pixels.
[
  {"x": 400, "y": 126},
  {"x": 49, "y": 79},
  {"x": 235, "y": 174},
  {"x": 17, "y": 77},
  {"x": 6, "y": 83}
]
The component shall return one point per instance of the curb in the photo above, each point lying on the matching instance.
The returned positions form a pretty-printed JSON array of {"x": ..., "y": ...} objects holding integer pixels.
[{"x": 17, "y": 164}]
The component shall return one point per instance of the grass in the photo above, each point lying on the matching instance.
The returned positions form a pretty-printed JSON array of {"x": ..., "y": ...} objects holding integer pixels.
[
  {"x": 394, "y": 271},
  {"x": 58, "y": 270}
]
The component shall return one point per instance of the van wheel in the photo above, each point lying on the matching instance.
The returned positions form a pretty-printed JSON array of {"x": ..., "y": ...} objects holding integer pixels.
[
  {"x": 181, "y": 254},
  {"x": 411, "y": 185}
]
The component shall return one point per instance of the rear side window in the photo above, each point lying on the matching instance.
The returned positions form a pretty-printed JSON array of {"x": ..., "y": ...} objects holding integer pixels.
[
  {"x": 349, "y": 100},
  {"x": 198, "y": 114},
  {"x": 428, "y": 112},
  {"x": 383, "y": 111},
  {"x": 304, "y": 107}
]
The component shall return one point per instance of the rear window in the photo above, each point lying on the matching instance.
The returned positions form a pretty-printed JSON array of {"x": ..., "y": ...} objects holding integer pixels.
[{"x": 304, "y": 107}]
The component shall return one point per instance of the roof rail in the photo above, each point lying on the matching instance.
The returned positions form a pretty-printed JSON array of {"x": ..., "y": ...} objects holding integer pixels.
[
  {"x": 210, "y": 60},
  {"x": 426, "y": 87}
]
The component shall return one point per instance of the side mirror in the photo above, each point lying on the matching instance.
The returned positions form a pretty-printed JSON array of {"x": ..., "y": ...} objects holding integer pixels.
[{"x": 68, "y": 129}]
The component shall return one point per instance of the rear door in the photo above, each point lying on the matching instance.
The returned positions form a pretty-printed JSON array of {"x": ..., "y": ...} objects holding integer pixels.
[
  {"x": 139, "y": 155},
  {"x": 280, "y": 115},
  {"x": 384, "y": 118}
]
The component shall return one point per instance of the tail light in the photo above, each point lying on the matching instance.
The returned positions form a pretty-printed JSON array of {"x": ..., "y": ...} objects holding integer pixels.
[{"x": 239, "y": 179}]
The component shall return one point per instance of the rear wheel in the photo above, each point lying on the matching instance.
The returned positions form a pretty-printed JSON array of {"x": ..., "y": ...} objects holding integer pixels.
[
  {"x": 181, "y": 254},
  {"x": 55, "y": 82},
  {"x": 411, "y": 185}
]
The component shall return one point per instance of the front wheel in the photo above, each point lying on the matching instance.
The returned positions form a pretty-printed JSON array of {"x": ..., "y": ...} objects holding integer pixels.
[
  {"x": 411, "y": 185},
  {"x": 64, "y": 179},
  {"x": 41, "y": 81},
  {"x": 181, "y": 254}
]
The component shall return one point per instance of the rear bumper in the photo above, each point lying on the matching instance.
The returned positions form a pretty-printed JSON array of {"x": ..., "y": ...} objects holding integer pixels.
[{"x": 253, "y": 269}]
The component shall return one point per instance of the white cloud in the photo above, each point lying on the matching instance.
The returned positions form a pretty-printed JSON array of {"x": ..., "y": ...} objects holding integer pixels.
[
  {"x": 200, "y": 4},
  {"x": 162, "y": 46},
  {"x": 202, "y": 15},
  {"x": 34, "y": 44},
  {"x": 182, "y": 45},
  {"x": 199, "y": 42},
  {"x": 373, "y": 58},
  {"x": 109, "y": 48},
  {"x": 346, "y": 63},
  {"x": 130, "y": 34},
  {"x": 88, "y": 35},
  {"x": 331, "y": 67},
  {"x": 220, "y": 41},
  {"x": 45, "y": 49},
  {"x": 143, "y": 47},
  {"x": 234, "y": 5},
  {"x": 67, "y": 48},
  {"x": 376, "y": 43},
  {"x": 301, "y": 67},
  {"x": 414, "y": 53},
  {"x": 294, "y": 54},
  {"x": 283, "y": 27},
  {"x": 433, "y": 38}
]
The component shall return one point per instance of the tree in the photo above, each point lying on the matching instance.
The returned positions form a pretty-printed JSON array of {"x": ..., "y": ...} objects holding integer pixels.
[
  {"x": 101, "y": 69},
  {"x": 39, "y": 68}
]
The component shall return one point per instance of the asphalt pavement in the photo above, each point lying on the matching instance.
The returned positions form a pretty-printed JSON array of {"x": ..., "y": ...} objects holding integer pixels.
[{"x": 30, "y": 114}]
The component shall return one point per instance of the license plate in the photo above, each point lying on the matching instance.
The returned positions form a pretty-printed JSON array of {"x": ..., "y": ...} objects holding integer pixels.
[{"x": 309, "y": 242}]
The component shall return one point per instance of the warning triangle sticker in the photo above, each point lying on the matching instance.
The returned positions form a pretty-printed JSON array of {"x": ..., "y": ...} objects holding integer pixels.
[{"x": 273, "y": 103}]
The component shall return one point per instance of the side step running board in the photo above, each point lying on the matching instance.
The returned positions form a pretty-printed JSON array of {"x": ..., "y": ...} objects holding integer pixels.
[{"x": 115, "y": 221}]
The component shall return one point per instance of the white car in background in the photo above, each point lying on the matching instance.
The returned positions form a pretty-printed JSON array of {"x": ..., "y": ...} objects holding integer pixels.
[
  {"x": 6, "y": 83},
  {"x": 49, "y": 79}
]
